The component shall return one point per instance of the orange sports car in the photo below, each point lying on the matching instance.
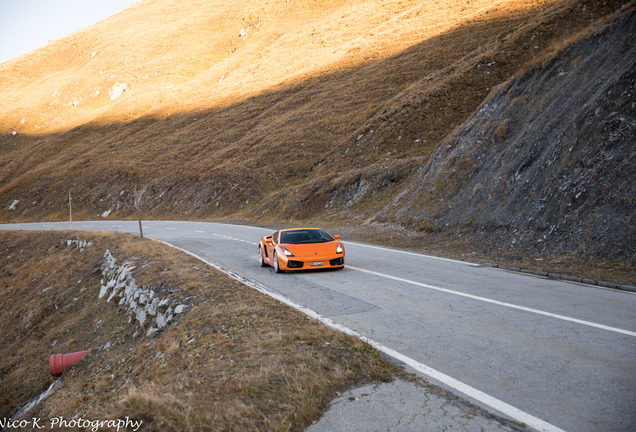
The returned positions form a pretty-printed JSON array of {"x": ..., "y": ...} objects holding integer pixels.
[{"x": 301, "y": 249}]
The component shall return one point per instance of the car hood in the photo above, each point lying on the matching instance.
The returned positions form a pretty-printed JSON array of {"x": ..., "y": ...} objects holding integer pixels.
[{"x": 310, "y": 250}]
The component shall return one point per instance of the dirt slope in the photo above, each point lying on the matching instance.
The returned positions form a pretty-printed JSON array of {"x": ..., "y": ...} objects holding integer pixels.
[{"x": 257, "y": 109}]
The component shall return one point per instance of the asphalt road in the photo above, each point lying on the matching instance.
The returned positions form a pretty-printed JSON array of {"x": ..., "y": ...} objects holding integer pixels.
[{"x": 552, "y": 354}]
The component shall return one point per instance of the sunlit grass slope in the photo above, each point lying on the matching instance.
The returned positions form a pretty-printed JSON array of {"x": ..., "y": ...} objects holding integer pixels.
[{"x": 179, "y": 57}]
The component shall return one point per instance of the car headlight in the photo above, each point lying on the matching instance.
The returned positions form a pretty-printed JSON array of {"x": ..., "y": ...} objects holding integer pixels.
[
  {"x": 286, "y": 251},
  {"x": 340, "y": 248}
]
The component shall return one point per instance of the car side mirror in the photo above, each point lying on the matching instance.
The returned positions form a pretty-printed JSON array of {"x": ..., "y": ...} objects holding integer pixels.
[{"x": 337, "y": 237}]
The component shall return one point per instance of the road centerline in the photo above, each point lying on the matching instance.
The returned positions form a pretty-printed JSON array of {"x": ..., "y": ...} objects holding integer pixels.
[
  {"x": 416, "y": 254},
  {"x": 497, "y": 302}
]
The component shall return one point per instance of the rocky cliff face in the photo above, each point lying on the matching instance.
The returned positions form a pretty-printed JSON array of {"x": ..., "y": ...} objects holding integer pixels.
[{"x": 547, "y": 162}]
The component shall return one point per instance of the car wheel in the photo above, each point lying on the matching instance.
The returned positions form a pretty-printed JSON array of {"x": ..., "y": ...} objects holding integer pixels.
[
  {"x": 276, "y": 266},
  {"x": 260, "y": 257}
]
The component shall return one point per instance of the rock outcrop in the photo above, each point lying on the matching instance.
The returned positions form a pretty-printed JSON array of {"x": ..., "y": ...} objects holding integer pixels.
[
  {"x": 546, "y": 164},
  {"x": 149, "y": 311}
]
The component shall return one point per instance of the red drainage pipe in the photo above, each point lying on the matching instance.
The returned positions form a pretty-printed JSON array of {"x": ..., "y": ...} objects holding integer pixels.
[{"x": 58, "y": 363}]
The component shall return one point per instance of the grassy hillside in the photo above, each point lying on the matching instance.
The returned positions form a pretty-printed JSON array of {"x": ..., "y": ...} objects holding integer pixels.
[
  {"x": 235, "y": 360},
  {"x": 226, "y": 105},
  {"x": 263, "y": 110}
]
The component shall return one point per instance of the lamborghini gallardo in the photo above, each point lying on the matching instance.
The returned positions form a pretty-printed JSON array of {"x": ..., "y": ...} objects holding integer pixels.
[{"x": 301, "y": 249}]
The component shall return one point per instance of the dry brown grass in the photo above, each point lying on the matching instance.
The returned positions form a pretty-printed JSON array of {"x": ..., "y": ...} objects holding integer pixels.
[
  {"x": 236, "y": 361},
  {"x": 304, "y": 81}
]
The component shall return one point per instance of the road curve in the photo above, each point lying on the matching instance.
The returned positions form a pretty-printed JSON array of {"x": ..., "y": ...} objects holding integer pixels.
[{"x": 552, "y": 354}]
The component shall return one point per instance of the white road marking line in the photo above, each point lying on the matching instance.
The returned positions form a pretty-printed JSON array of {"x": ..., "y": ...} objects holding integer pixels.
[
  {"x": 413, "y": 254},
  {"x": 509, "y": 410},
  {"x": 486, "y": 399},
  {"x": 213, "y": 224},
  {"x": 171, "y": 228},
  {"x": 199, "y": 231},
  {"x": 497, "y": 302},
  {"x": 235, "y": 239}
]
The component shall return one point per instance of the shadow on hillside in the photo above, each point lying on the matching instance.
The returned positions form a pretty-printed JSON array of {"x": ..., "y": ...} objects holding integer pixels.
[{"x": 383, "y": 116}]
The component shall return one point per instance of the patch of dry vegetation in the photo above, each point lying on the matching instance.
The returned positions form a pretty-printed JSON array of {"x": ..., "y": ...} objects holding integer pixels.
[
  {"x": 249, "y": 103},
  {"x": 237, "y": 360}
]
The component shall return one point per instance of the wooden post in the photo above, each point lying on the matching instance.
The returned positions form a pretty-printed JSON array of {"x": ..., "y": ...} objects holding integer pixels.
[
  {"x": 138, "y": 195},
  {"x": 70, "y": 209}
]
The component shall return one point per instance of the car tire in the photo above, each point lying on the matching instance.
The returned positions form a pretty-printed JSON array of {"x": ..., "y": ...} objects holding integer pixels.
[
  {"x": 276, "y": 265},
  {"x": 261, "y": 259}
]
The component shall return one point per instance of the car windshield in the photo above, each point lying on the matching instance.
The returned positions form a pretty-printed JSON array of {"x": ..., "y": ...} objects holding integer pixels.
[{"x": 305, "y": 236}]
